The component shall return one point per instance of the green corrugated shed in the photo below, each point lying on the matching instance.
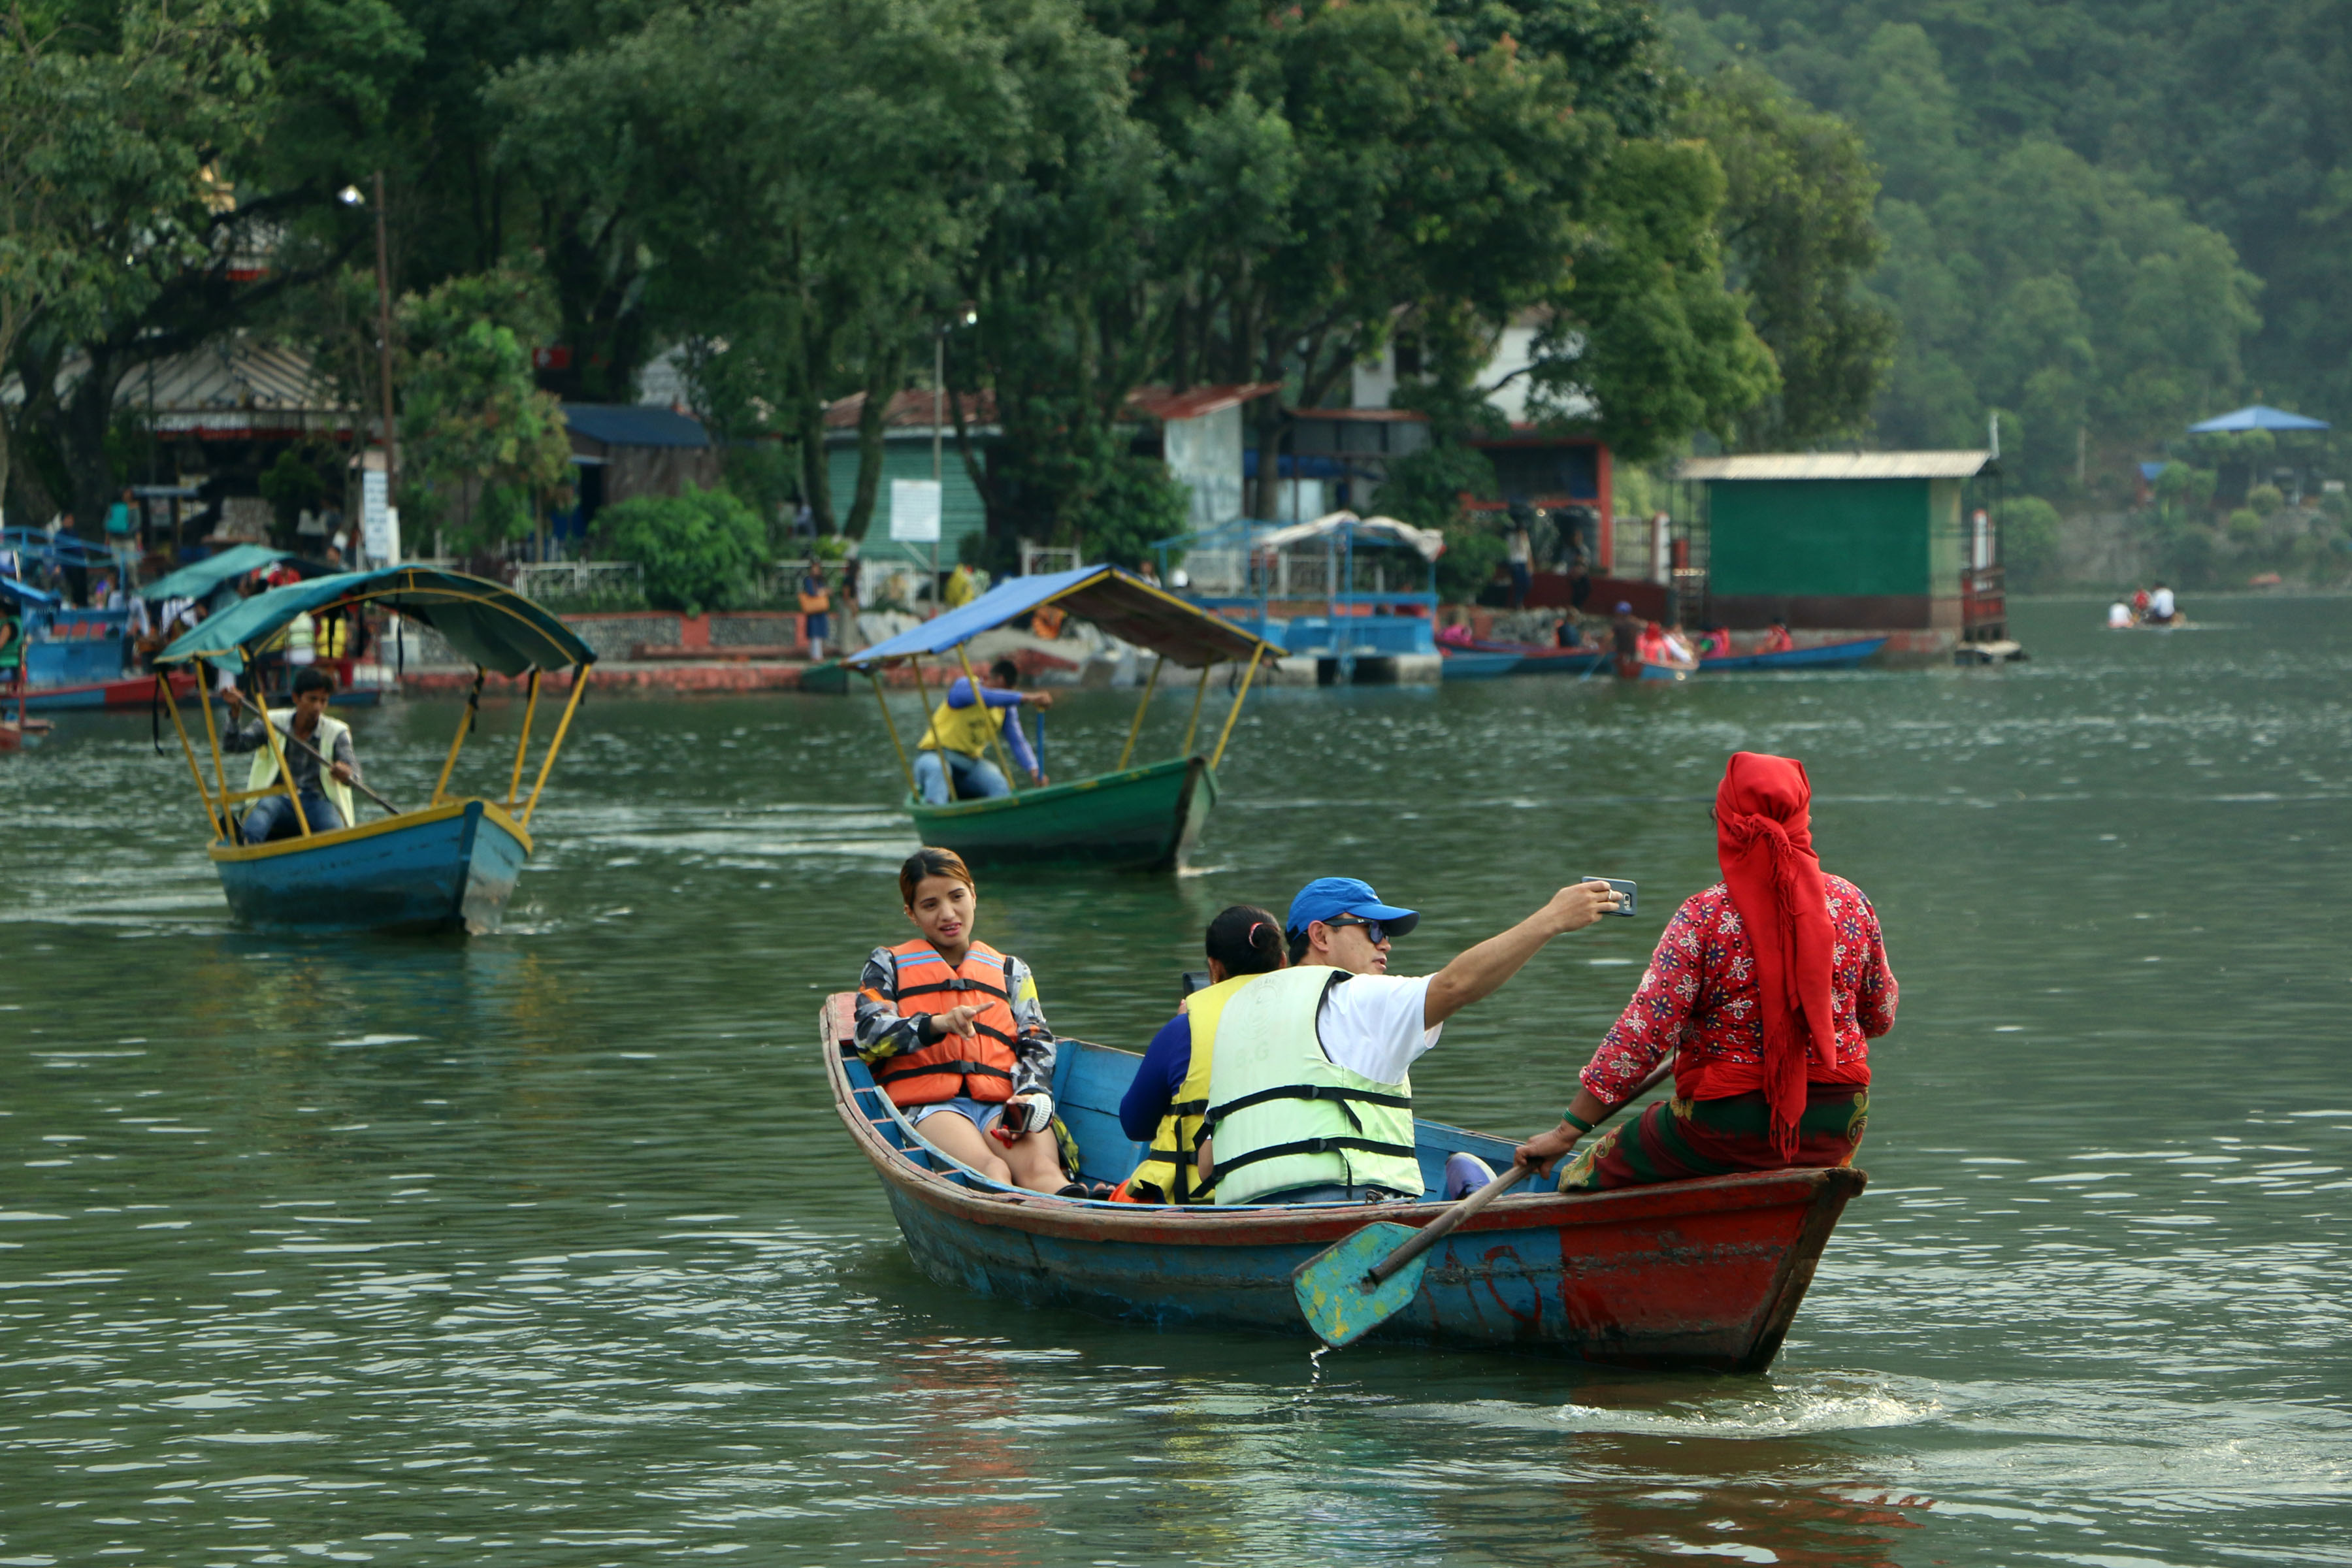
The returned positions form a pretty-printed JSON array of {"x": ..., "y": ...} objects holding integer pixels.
[
  {"x": 961, "y": 511},
  {"x": 1835, "y": 539}
]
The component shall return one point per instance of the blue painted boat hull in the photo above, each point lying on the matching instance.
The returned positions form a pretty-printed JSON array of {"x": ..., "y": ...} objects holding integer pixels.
[
  {"x": 1694, "y": 1274},
  {"x": 1826, "y": 656},
  {"x": 1478, "y": 665},
  {"x": 448, "y": 868}
]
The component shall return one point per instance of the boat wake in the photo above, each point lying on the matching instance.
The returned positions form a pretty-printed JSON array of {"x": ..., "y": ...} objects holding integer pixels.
[{"x": 1795, "y": 1408}]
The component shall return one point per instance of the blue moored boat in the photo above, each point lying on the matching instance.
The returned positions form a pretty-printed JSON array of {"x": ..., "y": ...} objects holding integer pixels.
[
  {"x": 450, "y": 866},
  {"x": 1705, "y": 1273}
]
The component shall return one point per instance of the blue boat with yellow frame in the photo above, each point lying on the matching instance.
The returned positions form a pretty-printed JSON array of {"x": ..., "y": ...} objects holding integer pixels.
[{"x": 450, "y": 866}]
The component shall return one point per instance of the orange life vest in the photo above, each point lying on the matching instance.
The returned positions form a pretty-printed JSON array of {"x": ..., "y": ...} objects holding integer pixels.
[{"x": 981, "y": 1067}]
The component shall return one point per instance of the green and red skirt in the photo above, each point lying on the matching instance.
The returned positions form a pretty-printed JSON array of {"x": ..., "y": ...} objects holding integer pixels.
[{"x": 1675, "y": 1139}]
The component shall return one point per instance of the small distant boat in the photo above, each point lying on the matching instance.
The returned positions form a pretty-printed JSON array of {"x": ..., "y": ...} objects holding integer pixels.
[
  {"x": 1702, "y": 1274},
  {"x": 1821, "y": 656},
  {"x": 1478, "y": 658},
  {"x": 136, "y": 691},
  {"x": 450, "y": 866},
  {"x": 1132, "y": 819}
]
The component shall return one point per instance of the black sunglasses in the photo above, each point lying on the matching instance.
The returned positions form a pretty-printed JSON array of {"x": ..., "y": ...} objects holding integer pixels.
[{"x": 1374, "y": 931}]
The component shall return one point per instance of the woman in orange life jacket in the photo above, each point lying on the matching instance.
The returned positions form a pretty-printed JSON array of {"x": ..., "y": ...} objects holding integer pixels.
[{"x": 955, "y": 1035}]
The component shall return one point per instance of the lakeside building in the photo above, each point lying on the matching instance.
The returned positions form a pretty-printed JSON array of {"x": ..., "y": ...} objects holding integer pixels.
[{"x": 1864, "y": 541}]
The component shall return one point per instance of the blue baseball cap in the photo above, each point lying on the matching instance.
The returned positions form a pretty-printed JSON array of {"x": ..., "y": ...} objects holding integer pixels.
[{"x": 1326, "y": 897}]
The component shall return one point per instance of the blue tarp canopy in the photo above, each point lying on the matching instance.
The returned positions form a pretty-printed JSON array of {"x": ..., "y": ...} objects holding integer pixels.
[
  {"x": 194, "y": 582},
  {"x": 2256, "y": 416},
  {"x": 1127, "y": 607},
  {"x": 26, "y": 594},
  {"x": 492, "y": 625}
]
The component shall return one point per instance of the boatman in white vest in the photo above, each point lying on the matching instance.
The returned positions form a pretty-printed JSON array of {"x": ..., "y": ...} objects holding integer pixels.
[
  {"x": 1311, "y": 1095},
  {"x": 326, "y": 800}
]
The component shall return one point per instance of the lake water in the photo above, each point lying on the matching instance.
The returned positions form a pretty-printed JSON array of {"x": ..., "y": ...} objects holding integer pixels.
[{"x": 546, "y": 1248}]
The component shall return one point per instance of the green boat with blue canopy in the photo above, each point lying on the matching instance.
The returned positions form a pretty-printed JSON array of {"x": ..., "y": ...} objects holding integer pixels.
[
  {"x": 447, "y": 866},
  {"x": 1137, "y": 817}
]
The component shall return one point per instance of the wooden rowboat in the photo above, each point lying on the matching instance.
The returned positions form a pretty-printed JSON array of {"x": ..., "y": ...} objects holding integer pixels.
[
  {"x": 1127, "y": 818},
  {"x": 1704, "y": 1274},
  {"x": 447, "y": 866},
  {"x": 1145, "y": 819}
]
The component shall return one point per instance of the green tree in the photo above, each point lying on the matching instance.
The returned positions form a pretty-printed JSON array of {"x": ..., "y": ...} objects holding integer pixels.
[
  {"x": 483, "y": 449},
  {"x": 2028, "y": 541},
  {"x": 698, "y": 549},
  {"x": 1798, "y": 237}
]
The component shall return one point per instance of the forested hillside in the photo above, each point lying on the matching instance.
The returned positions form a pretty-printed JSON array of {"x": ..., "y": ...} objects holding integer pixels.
[{"x": 2105, "y": 217}]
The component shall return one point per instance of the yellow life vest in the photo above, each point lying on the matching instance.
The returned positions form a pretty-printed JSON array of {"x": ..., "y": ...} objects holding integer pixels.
[
  {"x": 966, "y": 729},
  {"x": 263, "y": 771},
  {"x": 1169, "y": 1168}
]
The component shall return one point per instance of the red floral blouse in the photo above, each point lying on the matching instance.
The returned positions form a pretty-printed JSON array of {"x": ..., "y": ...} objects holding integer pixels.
[{"x": 1700, "y": 995}]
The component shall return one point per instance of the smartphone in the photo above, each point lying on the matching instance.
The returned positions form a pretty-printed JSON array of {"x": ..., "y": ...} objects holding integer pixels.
[
  {"x": 1192, "y": 980},
  {"x": 1625, "y": 909}
]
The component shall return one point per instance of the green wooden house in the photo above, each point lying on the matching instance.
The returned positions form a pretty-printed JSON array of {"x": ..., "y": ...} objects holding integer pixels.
[{"x": 1862, "y": 541}]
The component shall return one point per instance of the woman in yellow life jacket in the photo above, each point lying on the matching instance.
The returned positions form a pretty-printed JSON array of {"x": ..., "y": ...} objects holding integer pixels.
[
  {"x": 1169, "y": 1100},
  {"x": 955, "y": 1037}
]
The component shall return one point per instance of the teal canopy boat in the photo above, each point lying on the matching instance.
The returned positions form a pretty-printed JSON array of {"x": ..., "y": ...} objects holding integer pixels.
[
  {"x": 1131, "y": 817},
  {"x": 447, "y": 866}
]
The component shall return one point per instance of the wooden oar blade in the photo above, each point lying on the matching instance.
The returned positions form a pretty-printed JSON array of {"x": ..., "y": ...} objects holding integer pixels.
[{"x": 1331, "y": 1291}]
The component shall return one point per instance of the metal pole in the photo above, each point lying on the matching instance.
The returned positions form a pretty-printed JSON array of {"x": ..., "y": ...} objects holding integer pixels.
[
  {"x": 875, "y": 675},
  {"x": 923, "y": 694},
  {"x": 562, "y": 726},
  {"x": 1137, "y": 728},
  {"x": 383, "y": 344},
  {"x": 523, "y": 745},
  {"x": 995, "y": 732},
  {"x": 1219, "y": 755},
  {"x": 1193, "y": 723},
  {"x": 938, "y": 400}
]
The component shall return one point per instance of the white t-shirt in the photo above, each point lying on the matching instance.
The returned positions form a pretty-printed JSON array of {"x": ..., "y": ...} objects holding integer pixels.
[
  {"x": 1522, "y": 547},
  {"x": 2118, "y": 614},
  {"x": 2160, "y": 606},
  {"x": 1370, "y": 1025}
]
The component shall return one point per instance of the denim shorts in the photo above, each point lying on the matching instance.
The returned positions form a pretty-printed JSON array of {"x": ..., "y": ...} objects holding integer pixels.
[{"x": 971, "y": 1110}]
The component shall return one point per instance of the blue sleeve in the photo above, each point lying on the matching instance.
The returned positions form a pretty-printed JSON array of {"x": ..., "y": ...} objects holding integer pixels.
[
  {"x": 960, "y": 695},
  {"x": 960, "y": 692},
  {"x": 1018, "y": 739},
  {"x": 1159, "y": 1079}
]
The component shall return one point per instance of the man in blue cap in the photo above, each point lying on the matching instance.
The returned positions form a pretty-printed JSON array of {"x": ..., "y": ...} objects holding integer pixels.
[{"x": 1310, "y": 1097}]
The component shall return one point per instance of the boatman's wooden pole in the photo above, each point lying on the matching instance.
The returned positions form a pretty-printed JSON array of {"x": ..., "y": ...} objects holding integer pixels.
[
  {"x": 1193, "y": 725},
  {"x": 1258, "y": 653},
  {"x": 892, "y": 724},
  {"x": 1137, "y": 728},
  {"x": 995, "y": 732}
]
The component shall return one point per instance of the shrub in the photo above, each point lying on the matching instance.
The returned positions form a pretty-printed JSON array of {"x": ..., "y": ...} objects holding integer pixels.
[
  {"x": 1472, "y": 553},
  {"x": 2246, "y": 524},
  {"x": 2265, "y": 499},
  {"x": 700, "y": 550},
  {"x": 2028, "y": 539}
]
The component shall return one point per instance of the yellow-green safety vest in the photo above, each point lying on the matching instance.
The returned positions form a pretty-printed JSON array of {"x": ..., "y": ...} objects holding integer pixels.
[
  {"x": 1283, "y": 1114},
  {"x": 1169, "y": 1166},
  {"x": 263, "y": 771}
]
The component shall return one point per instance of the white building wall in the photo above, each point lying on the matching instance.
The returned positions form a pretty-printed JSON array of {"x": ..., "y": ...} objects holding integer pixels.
[{"x": 1204, "y": 455}]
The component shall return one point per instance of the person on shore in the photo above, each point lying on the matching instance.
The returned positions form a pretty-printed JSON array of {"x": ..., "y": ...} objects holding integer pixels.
[
  {"x": 326, "y": 796},
  {"x": 1310, "y": 1096},
  {"x": 815, "y": 602},
  {"x": 955, "y": 1035},
  {"x": 1167, "y": 1103},
  {"x": 1769, "y": 984},
  {"x": 954, "y": 749},
  {"x": 1521, "y": 551}
]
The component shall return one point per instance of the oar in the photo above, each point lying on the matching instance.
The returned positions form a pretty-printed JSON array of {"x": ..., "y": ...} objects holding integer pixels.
[
  {"x": 1348, "y": 1290},
  {"x": 294, "y": 740}
]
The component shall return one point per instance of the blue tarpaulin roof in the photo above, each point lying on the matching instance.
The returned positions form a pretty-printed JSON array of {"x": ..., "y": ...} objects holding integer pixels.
[
  {"x": 492, "y": 625},
  {"x": 2256, "y": 416},
  {"x": 199, "y": 578},
  {"x": 633, "y": 425},
  {"x": 1127, "y": 607}
]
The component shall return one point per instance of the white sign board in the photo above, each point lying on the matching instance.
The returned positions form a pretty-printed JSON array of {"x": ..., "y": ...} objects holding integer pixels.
[
  {"x": 379, "y": 524},
  {"x": 915, "y": 510}
]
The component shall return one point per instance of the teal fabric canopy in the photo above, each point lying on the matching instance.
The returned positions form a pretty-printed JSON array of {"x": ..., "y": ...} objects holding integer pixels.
[
  {"x": 200, "y": 578},
  {"x": 492, "y": 625},
  {"x": 1127, "y": 607}
]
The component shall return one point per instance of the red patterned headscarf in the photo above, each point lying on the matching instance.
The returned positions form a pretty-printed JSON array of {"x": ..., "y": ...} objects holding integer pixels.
[{"x": 1763, "y": 837}]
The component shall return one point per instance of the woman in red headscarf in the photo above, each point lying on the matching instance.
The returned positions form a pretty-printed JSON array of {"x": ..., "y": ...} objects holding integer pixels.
[{"x": 1769, "y": 984}]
